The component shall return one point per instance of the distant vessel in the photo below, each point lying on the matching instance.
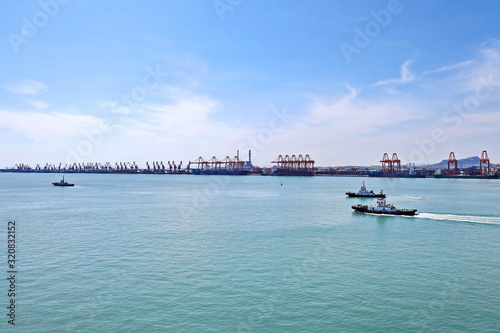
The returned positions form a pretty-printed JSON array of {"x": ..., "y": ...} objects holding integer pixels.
[
  {"x": 62, "y": 183},
  {"x": 383, "y": 208},
  {"x": 364, "y": 193},
  {"x": 397, "y": 175},
  {"x": 233, "y": 172},
  {"x": 287, "y": 172}
]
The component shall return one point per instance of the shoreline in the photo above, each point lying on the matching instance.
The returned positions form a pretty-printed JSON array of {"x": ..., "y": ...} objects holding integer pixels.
[{"x": 145, "y": 172}]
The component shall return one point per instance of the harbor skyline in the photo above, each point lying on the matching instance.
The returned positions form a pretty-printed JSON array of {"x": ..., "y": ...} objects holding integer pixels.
[
  {"x": 283, "y": 165},
  {"x": 344, "y": 82}
]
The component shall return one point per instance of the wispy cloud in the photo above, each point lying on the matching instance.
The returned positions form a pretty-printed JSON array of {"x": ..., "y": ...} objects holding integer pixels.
[
  {"x": 348, "y": 124},
  {"x": 352, "y": 115},
  {"x": 478, "y": 72},
  {"x": 46, "y": 127},
  {"x": 391, "y": 90},
  {"x": 326, "y": 108},
  {"x": 37, "y": 104},
  {"x": 27, "y": 87},
  {"x": 406, "y": 75},
  {"x": 447, "y": 68},
  {"x": 182, "y": 125},
  {"x": 189, "y": 120}
]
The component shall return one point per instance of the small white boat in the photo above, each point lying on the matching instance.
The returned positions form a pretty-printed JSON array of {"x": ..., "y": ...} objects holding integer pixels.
[{"x": 364, "y": 193}]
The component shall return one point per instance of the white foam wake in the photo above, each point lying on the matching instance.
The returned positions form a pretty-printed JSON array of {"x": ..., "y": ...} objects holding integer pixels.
[
  {"x": 461, "y": 218},
  {"x": 406, "y": 197}
]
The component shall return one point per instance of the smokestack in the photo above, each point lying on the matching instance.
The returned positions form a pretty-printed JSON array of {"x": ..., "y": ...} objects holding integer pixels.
[
  {"x": 250, "y": 155},
  {"x": 238, "y": 154}
]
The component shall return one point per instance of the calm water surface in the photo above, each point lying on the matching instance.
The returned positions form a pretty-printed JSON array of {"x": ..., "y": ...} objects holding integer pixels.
[{"x": 152, "y": 253}]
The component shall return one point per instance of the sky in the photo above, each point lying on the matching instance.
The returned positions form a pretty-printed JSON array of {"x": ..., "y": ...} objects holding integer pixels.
[{"x": 173, "y": 80}]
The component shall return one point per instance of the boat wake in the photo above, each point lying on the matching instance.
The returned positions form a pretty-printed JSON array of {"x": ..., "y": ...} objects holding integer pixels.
[
  {"x": 461, "y": 218},
  {"x": 406, "y": 197}
]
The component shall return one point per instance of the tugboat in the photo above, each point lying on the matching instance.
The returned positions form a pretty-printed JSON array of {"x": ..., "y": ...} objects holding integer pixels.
[
  {"x": 62, "y": 183},
  {"x": 383, "y": 208},
  {"x": 363, "y": 193}
]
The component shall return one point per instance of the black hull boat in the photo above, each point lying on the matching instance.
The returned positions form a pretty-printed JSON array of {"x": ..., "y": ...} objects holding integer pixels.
[
  {"x": 62, "y": 183},
  {"x": 383, "y": 209},
  {"x": 364, "y": 193},
  {"x": 288, "y": 172}
]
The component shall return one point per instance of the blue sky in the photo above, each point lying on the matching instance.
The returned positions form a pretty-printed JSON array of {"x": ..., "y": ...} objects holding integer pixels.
[{"x": 343, "y": 81}]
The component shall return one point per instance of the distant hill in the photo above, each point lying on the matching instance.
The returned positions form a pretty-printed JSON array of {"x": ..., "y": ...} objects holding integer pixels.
[{"x": 462, "y": 163}]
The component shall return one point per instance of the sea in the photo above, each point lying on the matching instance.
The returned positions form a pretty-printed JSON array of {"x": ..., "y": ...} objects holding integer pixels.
[{"x": 186, "y": 253}]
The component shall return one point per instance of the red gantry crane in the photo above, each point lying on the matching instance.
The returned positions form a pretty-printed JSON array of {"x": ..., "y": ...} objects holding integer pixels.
[
  {"x": 452, "y": 163},
  {"x": 484, "y": 160}
]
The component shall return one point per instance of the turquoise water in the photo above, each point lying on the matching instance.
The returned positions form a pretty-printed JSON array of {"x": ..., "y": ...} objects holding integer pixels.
[{"x": 152, "y": 253}]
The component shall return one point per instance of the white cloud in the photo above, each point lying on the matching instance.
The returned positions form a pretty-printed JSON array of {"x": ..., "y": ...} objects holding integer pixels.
[
  {"x": 406, "y": 75},
  {"x": 186, "y": 123},
  {"x": 391, "y": 90},
  {"x": 37, "y": 104},
  {"x": 448, "y": 68},
  {"x": 183, "y": 127},
  {"x": 487, "y": 68},
  {"x": 349, "y": 126},
  {"x": 484, "y": 119},
  {"x": 355, "y": 115},
  {"x": 477, "y": 78},
  {"x": 27, "y": 87},
  {"x": 46, "y": 127},
  {"x": 324, "y": 108}
]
